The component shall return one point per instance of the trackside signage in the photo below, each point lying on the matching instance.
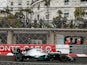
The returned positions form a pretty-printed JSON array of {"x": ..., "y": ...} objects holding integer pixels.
[{"x": 5, "y": 48}]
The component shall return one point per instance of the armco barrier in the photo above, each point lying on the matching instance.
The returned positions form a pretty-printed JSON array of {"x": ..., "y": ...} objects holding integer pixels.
[
  {"x": 64, "y": 49},
  {"x": 78, "y": 49}
]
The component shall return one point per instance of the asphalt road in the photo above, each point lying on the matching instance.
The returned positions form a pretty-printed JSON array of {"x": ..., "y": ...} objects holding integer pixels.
[
  {"x": 10, "y": 61},
  {"x": 37, "y": 63}
]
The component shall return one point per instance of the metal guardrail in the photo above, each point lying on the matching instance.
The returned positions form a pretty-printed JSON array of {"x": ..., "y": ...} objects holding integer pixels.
[{"x": 78, "y": 49}]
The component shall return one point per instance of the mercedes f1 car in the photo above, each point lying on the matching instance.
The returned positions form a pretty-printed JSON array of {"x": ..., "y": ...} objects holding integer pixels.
[{"x": 39, "y": 55}]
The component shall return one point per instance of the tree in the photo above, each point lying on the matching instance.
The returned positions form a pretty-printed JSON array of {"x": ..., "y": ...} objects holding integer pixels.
[
  {"x": 79, "y": 13},
  {"x": 41, "y": 23},
  {"x": 4, "y": 23},
  {"x": 35, "y": 24},
  {"x": 18, "y": 24},
  {"x": 60, "y": 13},
  {"x": 10, "y": 18},
  {"x": 71, "y": 24},
  {"x": 64, "y": 20},
  {"x": 28, "y": 11},
  {"x": 7, "y": 10},
  {"x": 20, "y": 16},
  {"x": 59, "y": 21},
  {"x": 47, "y": 4}
]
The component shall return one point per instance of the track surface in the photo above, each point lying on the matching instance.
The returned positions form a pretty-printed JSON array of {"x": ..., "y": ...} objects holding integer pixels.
[
  {"x": 37, "y": 63},
  {"x": 10, "y": 61}
]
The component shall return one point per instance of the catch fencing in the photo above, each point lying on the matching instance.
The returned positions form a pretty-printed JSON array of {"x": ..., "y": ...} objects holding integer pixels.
[{"x": 47, "y": 36}]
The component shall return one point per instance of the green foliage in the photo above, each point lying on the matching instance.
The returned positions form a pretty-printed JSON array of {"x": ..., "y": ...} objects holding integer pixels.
[
  {"x": 78, "y": 13},
  {"x": 47, "y": 25},
  {"x": 59, "y": 21},
  {"x": 11, "y": 16},
  {"x": 60, "y": 13},
  {"x": 18, "y": 25},
  {"x": 4, "y": 23},
  {"x": 7, "y": 10},
  {"x": 19, "y": 14},
  {"x": 27, "y": 10}
]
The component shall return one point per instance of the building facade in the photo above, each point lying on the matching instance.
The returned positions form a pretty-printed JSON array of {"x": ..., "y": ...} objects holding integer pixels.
[{"x": 47, "y": 13}]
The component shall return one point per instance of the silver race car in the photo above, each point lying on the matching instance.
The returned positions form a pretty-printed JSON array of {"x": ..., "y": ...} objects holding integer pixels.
[{"x": 39, "y": 55}]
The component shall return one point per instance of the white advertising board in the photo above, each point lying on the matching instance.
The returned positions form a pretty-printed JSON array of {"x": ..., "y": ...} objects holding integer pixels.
[{"x": 64, "y": 49}]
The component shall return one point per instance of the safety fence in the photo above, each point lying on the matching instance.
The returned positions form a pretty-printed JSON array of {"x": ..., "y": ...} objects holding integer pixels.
[
  {"x": 43, "y": 36},
  {"x": 62, "y": 38}
]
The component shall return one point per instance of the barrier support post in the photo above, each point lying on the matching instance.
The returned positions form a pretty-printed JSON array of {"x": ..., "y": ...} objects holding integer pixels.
[
  {"x": 10, "y": 37},
  {"x": 51, "y": 38}
]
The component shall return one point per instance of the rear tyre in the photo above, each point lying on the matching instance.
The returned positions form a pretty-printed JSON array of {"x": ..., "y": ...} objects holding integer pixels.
[
  {"x": 64, "y": 58},
  {"x": 51, "y": 59}
]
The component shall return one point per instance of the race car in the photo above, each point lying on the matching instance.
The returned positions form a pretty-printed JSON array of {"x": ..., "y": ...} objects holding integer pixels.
[{"x": 39, "y": 55}]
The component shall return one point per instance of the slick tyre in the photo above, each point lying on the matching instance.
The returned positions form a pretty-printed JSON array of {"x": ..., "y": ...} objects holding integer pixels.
[
  {"x": 51, "y": 59},
  {"x": 64, "y": 58},
  {"x": 18, "y": 57}
]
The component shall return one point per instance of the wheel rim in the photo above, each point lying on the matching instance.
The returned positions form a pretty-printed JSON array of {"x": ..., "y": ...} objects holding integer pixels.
[
  {"x": 64, "y": 59},
  {"x": 18, "y": 58}
]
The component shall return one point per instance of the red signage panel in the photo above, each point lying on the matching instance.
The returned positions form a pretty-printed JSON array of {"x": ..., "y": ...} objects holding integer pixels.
[{"x": 6, "y": 48}]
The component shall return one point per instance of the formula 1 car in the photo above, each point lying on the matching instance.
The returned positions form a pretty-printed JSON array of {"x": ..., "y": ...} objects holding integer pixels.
[{"x": 39, "y": 55}]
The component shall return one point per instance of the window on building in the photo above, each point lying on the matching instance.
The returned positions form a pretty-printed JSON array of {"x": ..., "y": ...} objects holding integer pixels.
[
  {"x": 11, "y": 3},
  {"x": 32, "y": 2},
  {"x": 38, "y": 6},
  {"x": 38, "y": 17},
  {"x": 47, "y": 16},
  {"x": 85, "y": 14},
  {"x": 27, "y": 2},
  {"x": 66, "y": 14},
  {"x": 19, "y": 2},
  {"x": 11, "y": 8},
  {"x": 66, "y": 2},
  {"x": 20, "y": 8}
]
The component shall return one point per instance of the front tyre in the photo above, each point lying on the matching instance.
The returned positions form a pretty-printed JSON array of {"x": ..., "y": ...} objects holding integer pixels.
[{"x": 19, "y": 57}]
